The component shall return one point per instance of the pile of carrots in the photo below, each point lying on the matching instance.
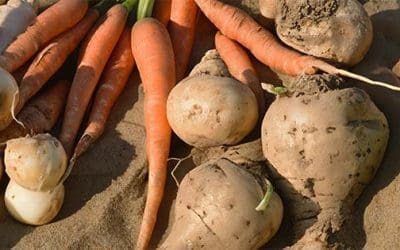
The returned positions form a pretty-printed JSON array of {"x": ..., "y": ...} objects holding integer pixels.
[{"x": 108, "y": 49}]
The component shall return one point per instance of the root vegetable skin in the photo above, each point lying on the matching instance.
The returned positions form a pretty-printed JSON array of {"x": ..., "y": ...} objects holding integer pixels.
[
  {"x": 326, "y": 148},
  {"x": 33, "y": 208},
  {"x": 339, "y": 31},
  {"x": 209, "y": 111},
  {"x": 215, "y": 209},
  {"x": 8, "y": 97},
  {"x": 36, "y": 163}
]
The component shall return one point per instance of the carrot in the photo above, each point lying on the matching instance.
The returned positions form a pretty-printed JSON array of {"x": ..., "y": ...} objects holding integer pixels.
[
  {"x": 112, "y": 82},
  {"x": 40, "y": 114},
  {"x": 154, "y": 56},
  {"x": 239, "y": 26},
  {"x": 240, "y": 66},
  {"x": 93, "y": 56},
  {"x": 162, "y": 11},
  {"x": 52, "y": 57},
  {"x": 182, "y": 31},
  {"x": 55, "y": 20}
]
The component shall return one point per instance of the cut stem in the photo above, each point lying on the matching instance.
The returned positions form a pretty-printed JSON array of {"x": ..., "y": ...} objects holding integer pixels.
[
  {"x": 267, "y": 197},
  {"x": 145, "y": 8}
]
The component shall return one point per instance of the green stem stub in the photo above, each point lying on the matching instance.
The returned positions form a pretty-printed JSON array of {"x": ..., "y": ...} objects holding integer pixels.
[
  {"x": 130, "y": 5},
  {"x": 145, "y": 9},
  {"x": 267, "y": 197}
]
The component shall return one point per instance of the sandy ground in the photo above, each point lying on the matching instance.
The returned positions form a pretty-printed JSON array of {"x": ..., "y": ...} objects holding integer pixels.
[{"x": 106, "y": 192}]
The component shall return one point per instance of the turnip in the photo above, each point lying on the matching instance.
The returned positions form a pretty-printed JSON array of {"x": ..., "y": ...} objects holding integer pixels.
[
  {"x": 324, "y": 148},
  {"x": 337, "y": 30},
  {"x": 36, "y": 163},
  {"x": 215, "y": 208},
  {"x": 33, "y": 208},
  {"x": 8, "y": 97},
  {"x": 210, "y": 108},
  {"x": 15, "y": 17}
]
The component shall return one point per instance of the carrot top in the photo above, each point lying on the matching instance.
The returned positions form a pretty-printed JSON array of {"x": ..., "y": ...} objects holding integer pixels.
[{"x": 145, "y": 9}]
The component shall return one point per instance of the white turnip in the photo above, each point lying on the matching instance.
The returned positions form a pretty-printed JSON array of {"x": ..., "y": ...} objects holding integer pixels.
[
  {"x": 33, "y": 208},
  {"x": 36, "y": 163}
]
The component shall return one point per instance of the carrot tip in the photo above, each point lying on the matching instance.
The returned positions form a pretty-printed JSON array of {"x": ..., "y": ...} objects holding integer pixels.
[{"x": 83, "y": 145}]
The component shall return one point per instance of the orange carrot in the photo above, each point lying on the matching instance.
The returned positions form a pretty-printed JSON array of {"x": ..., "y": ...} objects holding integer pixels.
[
  {"x": 182, "y": 31},
  {"x": 239, "y": 26},
  {"x": 240, "y": 66},
  {"x": 40, "y": 114},
  {"x": 162, "y": 11},
  {"x": 93, "y": 56},
  {"x": 112, "y": 82},
  {"x": 154, "y": 56},
  {"x": 50, "y": 23},
  {"x": 51, "y": 58}
]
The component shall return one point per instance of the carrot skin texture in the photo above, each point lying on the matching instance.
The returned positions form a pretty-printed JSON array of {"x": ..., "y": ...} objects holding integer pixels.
[
  {"x": 51, "y": 58},
  {"x": 239, "y": 26},
  {"x": 112, "y": 83},
  {"x": 53, "y": 21},
  {"x": 240, "y": 66},
  {"x": 93, "y": 56},
  {"x": 40, "y": 114},
  {"x": 182, "y": 27},
  {"x": 162, "y": 11},
  {"x": 154, "y": 56}
]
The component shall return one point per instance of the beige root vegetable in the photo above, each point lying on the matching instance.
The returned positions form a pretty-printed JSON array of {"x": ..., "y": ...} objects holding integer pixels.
[
  {"x": 337, "y": 30},
  {"x": 33, "y": 208},
  {"x": 208, "y": 110},
  {"x": 36, "y": 163},
  {"x": 325, "y": 148},
  {"x": 215, "y": 208},
  {"x": 8, "y": 98}
]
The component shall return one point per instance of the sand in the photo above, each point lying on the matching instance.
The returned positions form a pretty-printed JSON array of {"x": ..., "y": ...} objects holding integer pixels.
[{"x": 105, "y": 193}]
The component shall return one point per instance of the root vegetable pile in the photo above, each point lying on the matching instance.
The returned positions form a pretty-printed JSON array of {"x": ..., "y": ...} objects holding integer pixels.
[{"x": 323, "y": 144}]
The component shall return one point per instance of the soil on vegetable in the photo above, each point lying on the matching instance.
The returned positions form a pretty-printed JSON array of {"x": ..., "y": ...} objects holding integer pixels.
[{"x": 105, "y": 193}]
